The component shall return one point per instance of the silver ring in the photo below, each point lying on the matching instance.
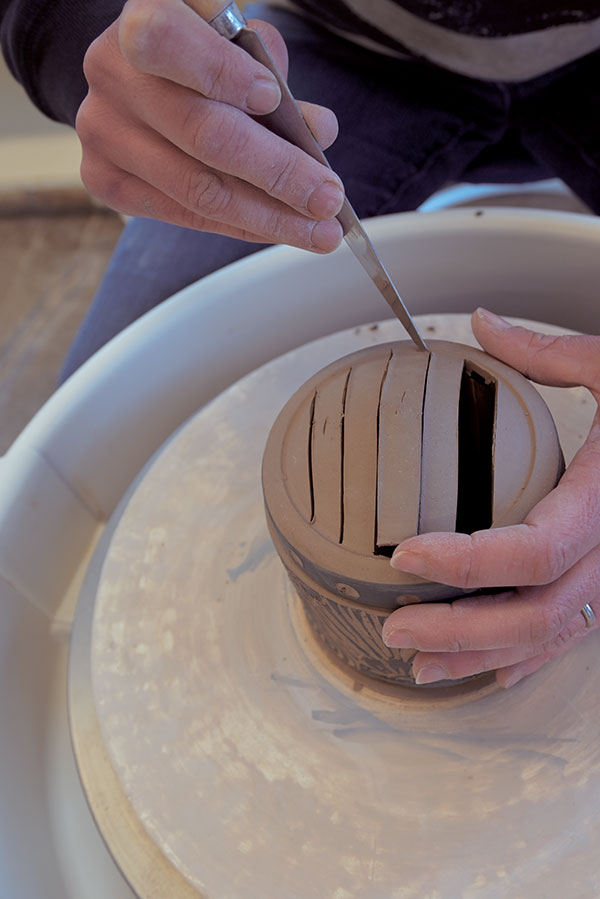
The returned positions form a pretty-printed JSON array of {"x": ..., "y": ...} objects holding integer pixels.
[
  {"x": 588, "y": 614},
  {"x": 229, "y": 22}
]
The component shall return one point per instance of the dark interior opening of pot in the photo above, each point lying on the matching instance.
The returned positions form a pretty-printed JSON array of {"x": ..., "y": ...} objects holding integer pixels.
[{"x": 476, "y": 419}]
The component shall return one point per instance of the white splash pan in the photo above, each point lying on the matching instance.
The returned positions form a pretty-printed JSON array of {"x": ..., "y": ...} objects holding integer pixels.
[{"x": 63, "y": 477}]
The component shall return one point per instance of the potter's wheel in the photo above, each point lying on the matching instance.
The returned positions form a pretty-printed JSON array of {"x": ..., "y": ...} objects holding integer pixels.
[{"x": 223, "y": 756}]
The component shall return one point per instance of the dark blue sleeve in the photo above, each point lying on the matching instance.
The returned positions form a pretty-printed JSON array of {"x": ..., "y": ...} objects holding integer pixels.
[{"x": 44, "y": 42}]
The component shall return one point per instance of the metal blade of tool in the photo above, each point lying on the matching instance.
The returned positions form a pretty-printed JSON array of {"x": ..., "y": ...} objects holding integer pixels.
[{"x": 288, "y": 122}]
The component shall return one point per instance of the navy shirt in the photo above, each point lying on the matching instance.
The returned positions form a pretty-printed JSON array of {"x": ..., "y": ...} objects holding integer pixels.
[{"x": 44, "y": 42}]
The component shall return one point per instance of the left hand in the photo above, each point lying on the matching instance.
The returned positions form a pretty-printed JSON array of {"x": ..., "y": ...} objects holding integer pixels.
[{"x": 553, "y": 557}]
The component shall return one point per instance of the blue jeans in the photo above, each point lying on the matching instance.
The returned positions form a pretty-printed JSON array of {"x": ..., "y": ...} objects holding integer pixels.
[{"x": 407, "y": 128}]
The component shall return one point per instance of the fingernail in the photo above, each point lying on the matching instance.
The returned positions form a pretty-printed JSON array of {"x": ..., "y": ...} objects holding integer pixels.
[
  {"x": 493, "y": 320},
  {"x": 399, "y": 639},
  {"x": 326, "y": 236},
  {"x": 429, "y": 674},
  {"x": 326, "y": 200},
  {"x": 263, "y": 96},
  {"x": 402, "y": 560}
]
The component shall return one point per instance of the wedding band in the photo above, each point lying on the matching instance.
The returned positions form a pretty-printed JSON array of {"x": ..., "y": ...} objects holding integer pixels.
[{"x": 588, "y": 614}]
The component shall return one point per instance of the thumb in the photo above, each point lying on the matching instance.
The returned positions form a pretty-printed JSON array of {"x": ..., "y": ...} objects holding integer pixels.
[{"x": 567, "y": 361}]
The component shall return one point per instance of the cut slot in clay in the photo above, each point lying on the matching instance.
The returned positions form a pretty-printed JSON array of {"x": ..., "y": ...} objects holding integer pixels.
[{"x": 384, "y": 444}]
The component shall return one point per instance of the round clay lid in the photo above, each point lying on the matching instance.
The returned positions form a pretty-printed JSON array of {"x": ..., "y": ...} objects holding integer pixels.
[{"x": 390, "y": 442}]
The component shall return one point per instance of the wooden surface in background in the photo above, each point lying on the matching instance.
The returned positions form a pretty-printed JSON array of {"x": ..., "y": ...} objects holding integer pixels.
[{"x": 54, "y": 247}]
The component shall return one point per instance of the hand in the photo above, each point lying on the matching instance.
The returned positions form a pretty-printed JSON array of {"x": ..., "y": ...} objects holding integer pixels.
[
  {"x": 553, "y": 557},
  {"x": 166, "y": 132}
]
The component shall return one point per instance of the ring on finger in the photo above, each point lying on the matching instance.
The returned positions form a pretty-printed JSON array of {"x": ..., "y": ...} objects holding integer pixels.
[{"x": 588, "y": 614}]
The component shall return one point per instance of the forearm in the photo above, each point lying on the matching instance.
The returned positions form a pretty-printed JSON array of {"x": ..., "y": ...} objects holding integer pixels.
[{"x": 44, "y": 42}]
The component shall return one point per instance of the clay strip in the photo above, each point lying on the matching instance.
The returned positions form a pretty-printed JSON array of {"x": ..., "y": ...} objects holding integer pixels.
[
  {"x": 439, "y": 460},
  {"x": 360, "y": 454},
  {"x": 399, "y": 459},
  {"x": 326, "y": 455}
]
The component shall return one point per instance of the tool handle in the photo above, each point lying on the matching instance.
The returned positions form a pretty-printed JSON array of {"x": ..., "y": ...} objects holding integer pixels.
[
  {"x": 224, "y": 16},
  {"x": 208, "y": 9}
]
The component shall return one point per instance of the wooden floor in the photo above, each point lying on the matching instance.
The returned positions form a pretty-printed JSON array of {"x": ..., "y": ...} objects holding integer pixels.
[{"x": 54, "y": 247}]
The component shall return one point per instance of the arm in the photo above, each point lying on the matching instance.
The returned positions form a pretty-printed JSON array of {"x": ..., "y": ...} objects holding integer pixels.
[
  {"x": 553, "y": 557},
  {"x": 44, "y": 44},
  {"x": 166, "y": 125}
]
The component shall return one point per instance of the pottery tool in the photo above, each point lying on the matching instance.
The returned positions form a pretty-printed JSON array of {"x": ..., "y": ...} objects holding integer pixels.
[{"x": 288, "y": 122}]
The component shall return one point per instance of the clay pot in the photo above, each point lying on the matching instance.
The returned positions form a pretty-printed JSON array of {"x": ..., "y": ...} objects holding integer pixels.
[{"x": 383, "y": 444}]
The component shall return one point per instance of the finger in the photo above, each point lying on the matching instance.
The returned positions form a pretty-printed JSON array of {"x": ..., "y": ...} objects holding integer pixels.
[
  {"x": 132, "y": 196},
  {"x": 207, "y": 193},
  {"x": 322, "y": 122},
  {"x": 511, "y": 674},
  {"x": 562, "y": 528},
  {"x": 167, "y": 38},
  {"x": 531, "y": 616},
  {"x": 230, "y": 141},
  {"x": 566, "y": 523},
  {"x": 563, "y": 361},
  {"x": 164, "y": 177},
  {"x": 431, "y": 667}
]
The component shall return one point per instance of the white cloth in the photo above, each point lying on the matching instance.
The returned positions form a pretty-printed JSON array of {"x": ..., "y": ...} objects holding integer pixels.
[{"x": 517, "y": 56}]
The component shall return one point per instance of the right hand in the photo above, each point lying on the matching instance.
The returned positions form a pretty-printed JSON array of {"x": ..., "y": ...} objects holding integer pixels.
[{"x": 167, "y": 133}]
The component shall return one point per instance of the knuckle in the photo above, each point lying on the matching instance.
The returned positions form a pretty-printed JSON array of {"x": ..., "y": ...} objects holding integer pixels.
[
  {"x": 277, "y": 228},
  {"x": 88, "y": 124},
  {"x": 99, "y": 131},
  {"x": 544, "y": 627},
  {"x": 216, "y": 76},
  {"x": 563, "y": 639},
  {"x": 90, "y": 177},
  {"x": 206, "y": 192},
  {"x": 141, "y": 32},
  {"x": 84, "y": 121},
  {"x": 282, "y": 176},
  {"x": 466, "y": 575},
  {"x": 465, "y": 560},
  {"x": 538, "y": 344},
  {"x": 229, "y": 139},
  {"x": 210, "y": 133},
  {"x": 111, "y": 186},
  {"x": 93, "y": 62},
  {"x": 553, "y": 562},
  {"x": 457, "y": 644},
  {"x": 196, "y": 126}
]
